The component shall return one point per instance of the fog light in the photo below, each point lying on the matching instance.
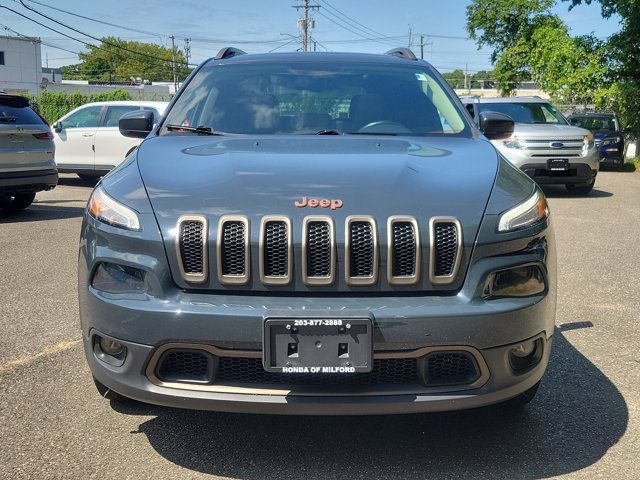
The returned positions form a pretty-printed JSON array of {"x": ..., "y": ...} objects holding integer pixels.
[
  {"x": 115, "y": 278},
  {"x": 526, "y": 355},
  {"x": 111, "y": 347},
  {"x": 524, "y": 349}
]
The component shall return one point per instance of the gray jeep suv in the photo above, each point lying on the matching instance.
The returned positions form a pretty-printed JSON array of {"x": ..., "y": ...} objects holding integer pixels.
[
  {"x": 311, "y": 233},
  {"x": 544, "y": 145}
]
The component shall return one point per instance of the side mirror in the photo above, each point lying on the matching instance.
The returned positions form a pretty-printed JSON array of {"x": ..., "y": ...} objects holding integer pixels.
[
  {"x": 495, "y": 126},
  {"x": 136, "y": 124},
  {"x": 57, "y": 127}
]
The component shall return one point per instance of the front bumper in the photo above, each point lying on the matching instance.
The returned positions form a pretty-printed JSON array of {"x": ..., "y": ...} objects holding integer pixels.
[
  {"x": 129, "y": 380},
  {"x": 28, "y": 181},
  {"x": 578, "y": 173}
]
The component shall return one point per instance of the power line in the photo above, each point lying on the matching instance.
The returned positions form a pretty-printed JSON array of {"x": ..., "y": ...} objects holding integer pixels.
[
  {"x": 93, "y": 19},
  {"x": 337, "y": 21},
  {"x": 114, "y": 45},
  {"x": 355, "y": 23}
]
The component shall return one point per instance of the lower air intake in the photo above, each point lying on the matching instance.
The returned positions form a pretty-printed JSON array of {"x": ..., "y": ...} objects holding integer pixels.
[
  {"x": 450, "y": 368},
  {"x": 189, "y": 366}
]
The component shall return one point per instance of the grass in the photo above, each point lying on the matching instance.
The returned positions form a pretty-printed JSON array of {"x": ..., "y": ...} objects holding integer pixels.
[{"x": 633, "y": 164}]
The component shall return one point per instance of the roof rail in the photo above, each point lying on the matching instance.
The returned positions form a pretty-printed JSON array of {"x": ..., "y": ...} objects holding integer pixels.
[
  {"x": 402, "y": 52},
  {"x": 228, "y": 52}
]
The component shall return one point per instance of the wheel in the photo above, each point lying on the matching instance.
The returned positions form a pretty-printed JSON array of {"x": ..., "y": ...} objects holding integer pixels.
[
  {"x": 581, "y": 188},
  {"x": 106, "y": 392},
  {"x": 16, "y": 202},
  {"x": 89, "y": 177},
  {"x": 525, "y": 397}
]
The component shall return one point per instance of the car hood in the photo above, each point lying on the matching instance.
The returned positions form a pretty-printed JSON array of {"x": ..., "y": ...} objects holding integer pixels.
[
  {"x": 254, "y": 177},
  {"x": 548, "y": 131}
]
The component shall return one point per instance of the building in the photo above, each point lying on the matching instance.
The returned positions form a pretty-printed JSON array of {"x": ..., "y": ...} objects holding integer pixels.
[{"x": 20, "y": 64}]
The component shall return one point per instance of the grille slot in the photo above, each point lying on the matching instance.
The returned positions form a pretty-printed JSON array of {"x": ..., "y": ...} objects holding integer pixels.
[
  {"x": 319, "y": 251},
  {"x": 192, "y": 248},
  {"x": 275, "y": 250},
  {"x": 450, "y": 368},
  {"x": 361, "y": 251},
  {"x": 250, "y": 370},
  {"x": 445, "y": 249},
  {"x": 233, "y": 250},
  {"x": 403, "y": 260},
  {"x": 190, "y": 366}
]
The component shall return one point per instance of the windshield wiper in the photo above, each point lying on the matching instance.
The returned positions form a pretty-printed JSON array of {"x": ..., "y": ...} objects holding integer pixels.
[
  {"x": 200, "y": 130},
  {"x": 372, "y": 133},
  {"x": 328, "y": 132}
]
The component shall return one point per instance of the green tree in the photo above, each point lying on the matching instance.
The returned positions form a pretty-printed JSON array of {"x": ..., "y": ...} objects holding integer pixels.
[
  {"x": 455, "y": 78},
  {"x": 119, "y": 60},
  {"x": 624, "y": 56}
]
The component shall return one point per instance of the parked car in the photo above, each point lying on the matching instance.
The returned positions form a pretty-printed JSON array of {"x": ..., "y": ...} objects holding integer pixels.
[
  {"x": 543, "y": 144},
  {"x": 317, "y": 234},
  {"x": 609, "y": 136},
  {"x": 26, "y": 154},
  {"x": 88, "y": 141}
]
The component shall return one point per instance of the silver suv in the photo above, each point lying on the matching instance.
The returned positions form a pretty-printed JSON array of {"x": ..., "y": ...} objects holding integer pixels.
[
  {"x": 543, "y": 144},
  {"x": 26, "y": 154}
]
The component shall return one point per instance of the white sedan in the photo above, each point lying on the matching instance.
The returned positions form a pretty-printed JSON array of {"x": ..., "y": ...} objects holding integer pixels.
[{"x": 88, "y": 141}]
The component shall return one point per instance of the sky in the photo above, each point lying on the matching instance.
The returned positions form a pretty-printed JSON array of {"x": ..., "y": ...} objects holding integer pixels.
[{"x": 260, "y": 26}]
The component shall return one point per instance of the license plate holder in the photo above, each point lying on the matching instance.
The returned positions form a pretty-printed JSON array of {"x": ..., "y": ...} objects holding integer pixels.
[
  {"x": 558, "y": 165},
  {"x": 317, "y": 345}
]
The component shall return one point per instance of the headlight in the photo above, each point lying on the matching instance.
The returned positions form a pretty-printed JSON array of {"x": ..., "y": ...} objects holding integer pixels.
[
  {"x": 512, "y": 142},
  {"x": 611, "y": 140},
  {"x": 525, "y": 214},
  {"x": 104, "y": 208},
  {"x": 588, "y": 142}
]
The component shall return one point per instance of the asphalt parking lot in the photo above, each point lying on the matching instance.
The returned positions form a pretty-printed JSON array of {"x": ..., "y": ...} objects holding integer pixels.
[{"x": 585, "y": 422}]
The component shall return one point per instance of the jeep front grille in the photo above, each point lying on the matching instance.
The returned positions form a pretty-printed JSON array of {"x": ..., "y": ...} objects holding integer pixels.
[
  {"x": 318, "y": 251},
  {"x": 403, "y": 257},
  {"x": 361, "y": 251},
  {"x": 276, "y": 261},
  {"x": 318, "y": 255},
  {"x": 445, "y": 249},
  {"x": 192, "y": 248},
  {"x": 233, "y": 250}
]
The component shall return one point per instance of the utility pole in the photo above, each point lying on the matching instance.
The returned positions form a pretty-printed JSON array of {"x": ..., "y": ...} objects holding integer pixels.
[
  {"x": 187, "y": 50},
  {"x": 410, "y": 38},
  {"x": 173, "y": 62},
  {"x": 466, "y": 76},
  {"x": 422, "y": 46},
  {"x": 306, "y": 23}
]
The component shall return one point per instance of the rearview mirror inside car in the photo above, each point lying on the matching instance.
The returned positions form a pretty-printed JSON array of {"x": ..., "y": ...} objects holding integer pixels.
[
  {"x": 136, "y": 124},
  {"x": 495, "y": 126}
]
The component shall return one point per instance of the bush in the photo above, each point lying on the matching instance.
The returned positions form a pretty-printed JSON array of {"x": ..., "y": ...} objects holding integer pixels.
[{"x": 53, "y": 105}]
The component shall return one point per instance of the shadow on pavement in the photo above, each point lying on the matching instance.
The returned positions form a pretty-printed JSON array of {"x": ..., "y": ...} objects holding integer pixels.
[
  {"x": 75, "y": 181},
  {"x": 576, "y": 417},
  {"x": 559, "y": 191},
  {"x": 39, "y": 213}
]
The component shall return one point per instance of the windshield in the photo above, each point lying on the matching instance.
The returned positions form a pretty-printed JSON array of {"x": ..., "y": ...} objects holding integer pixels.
[
  {"x": 596, "y": 124},
  {"x": 16, "y": 110},
  {"x": 526, "y": 112},
  {"x": 316, "y": 98}
]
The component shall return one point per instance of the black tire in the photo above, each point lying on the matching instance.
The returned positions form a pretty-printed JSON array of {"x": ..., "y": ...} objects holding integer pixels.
[
  {"x": 16, "y": 202},
  {"x": 525, "y": 397},
  {"x": 106, "y": 392},
  {"x": 581, "y": 189},
  {"x": 89, "y": 177}
]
